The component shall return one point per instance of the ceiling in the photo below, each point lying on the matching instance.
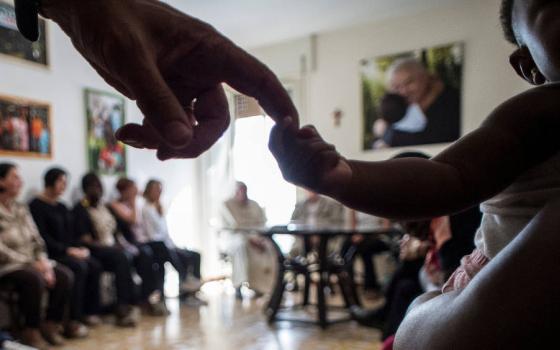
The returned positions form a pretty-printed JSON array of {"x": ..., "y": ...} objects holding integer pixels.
[{"x": 253, "y": 23}]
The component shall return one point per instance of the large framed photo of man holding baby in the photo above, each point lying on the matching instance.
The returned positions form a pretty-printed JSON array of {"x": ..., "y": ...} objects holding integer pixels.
[{"x": 412, "y": 98}]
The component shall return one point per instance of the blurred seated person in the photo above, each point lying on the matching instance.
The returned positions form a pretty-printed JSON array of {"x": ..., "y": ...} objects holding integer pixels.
[
  {"x": 429, "y": 254},
  {"x": 252, "y": 257},
  {"x": 186, "y": 262},
  {"x": 131, "y": 236},
  {"x": 367, "y": 247},
  {"x": 24, "y": 267},
  {"x": 317, "y": 210},
  {"x": 96, "y": 228},
  {"x": 55, "y": 224}
]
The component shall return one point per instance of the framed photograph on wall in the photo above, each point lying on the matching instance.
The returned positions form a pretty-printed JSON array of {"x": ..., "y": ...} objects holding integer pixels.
[
  {"x": 105, "y": 114},
  {"x": 412, "y": 98},
  {"x": 25, "y": 128},
  {"x": 14, "y": 45}
]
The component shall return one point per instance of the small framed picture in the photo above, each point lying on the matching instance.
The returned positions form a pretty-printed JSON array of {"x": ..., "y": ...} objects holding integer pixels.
[
  {"x": 105, "y": 114},
  {"x": 25, "y": 128},
  {"x": 14, "y": 46}
]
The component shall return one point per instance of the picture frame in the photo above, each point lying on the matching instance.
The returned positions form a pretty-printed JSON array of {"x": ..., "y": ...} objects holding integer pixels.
[
  {"x": 412, "y": 98},
  {"x": 13, "y": 46},
  {"x": 25, "y": 128},
  {"x": 105, "y": 114}
]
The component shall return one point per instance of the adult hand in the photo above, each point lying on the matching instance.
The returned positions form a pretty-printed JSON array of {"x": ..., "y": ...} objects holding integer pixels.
[
  {"x": 357, "y": 239},
  {"x": 78, "y": 253},
  {"x": 172, "y": 65},
  {"x": 306, "y": 160},
  {"x": 45, "y": 268}
]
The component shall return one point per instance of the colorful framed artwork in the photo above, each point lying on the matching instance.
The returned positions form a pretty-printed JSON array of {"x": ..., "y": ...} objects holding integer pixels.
[
  {"x": 25, "y": 128},
  {"x": 105, "y": 114},
  {"x": 412, "y": 98},
  {"x": 14, "y": 45}
]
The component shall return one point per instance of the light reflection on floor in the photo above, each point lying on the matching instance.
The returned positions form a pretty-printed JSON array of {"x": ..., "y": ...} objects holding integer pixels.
[{"x": 223, "y": 325}]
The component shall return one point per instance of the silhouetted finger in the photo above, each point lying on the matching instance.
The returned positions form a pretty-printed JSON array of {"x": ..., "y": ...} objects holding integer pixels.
[{"x": 249, "y": 76}]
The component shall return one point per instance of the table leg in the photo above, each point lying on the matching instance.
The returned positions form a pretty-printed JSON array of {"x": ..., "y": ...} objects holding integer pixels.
[
  {"x": 323, "y": 281},
  {"x": 306, "y": 287},
  {"x": 280, "y": 285}
]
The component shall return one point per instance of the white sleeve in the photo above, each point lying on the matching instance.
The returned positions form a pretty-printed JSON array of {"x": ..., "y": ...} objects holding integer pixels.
[{"x": 152, "y": 223}]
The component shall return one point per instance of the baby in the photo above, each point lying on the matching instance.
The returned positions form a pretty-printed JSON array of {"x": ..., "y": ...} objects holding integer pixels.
[
  {"x": 403, "y": 120},
  {"x": 511, "y": 163}
]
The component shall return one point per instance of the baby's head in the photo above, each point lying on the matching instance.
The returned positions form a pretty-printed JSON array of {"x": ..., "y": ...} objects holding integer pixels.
[
  {"x": 534, "y": 26},
  {"x": 392, "y": 108}
]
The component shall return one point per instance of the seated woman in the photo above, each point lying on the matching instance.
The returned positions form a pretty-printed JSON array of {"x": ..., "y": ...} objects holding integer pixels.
[
  {"x": 56, "y": 226},
  {"x": 186, "y": 262},
  {"x": 25, "y": 267},
  {"x": 149, "y": 266},
  {"x": 96, "y": 228}
]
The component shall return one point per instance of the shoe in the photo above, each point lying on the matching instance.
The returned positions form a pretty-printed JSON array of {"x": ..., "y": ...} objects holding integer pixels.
[
  {"x": 12, "y": 345},
  {"x": 369, "y": 318},
  {"x": 33, "y": 338},
  {"x": 127, "y": 316},
  {"x": 157, "y": 309},
  {"x": 92, "y": 321},
  {"x": 76, "y": 330},
  {"x": 51, "y": 332},
  {"x": 194, "y": 301},
  {"x": 192, "y": 285}
]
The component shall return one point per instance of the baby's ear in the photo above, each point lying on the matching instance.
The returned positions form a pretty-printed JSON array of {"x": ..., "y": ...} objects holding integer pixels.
[{"x": 523, "y": 63}]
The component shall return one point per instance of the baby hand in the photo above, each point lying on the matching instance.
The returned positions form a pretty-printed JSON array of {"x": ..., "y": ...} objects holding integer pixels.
[{"x": 306, "y": 160}]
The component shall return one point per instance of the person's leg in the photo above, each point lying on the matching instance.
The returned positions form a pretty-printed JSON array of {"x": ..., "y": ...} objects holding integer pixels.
[
  {"x": 29, "y": 286},
  {"x": 114, "y": 260},
  {"x": 92, "y": 296},
  {"x": 370, "y": 276},
  {"x": 60, "y": 294},
  {"x": 193, "y": 261},
  {"x": 80, "y": 271},
  {"x": 368, "y": 249},
  {"x": 161, "y": 255},
  {"x": 237, "y": 251},
  {"x": 147, "y": 269},
  {"x": 179, "y": 262},
  {"x": 376, "y": 318},
  {"x": 405, "y": 293}
]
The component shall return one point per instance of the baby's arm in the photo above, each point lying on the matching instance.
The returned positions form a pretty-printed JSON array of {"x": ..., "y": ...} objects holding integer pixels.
[{"x": 519, "y": 134}]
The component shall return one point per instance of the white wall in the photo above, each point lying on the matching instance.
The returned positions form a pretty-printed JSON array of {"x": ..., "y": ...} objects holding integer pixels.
[
  {"x": 62, "y": 85},
  {"x": 336, "y": 81}
]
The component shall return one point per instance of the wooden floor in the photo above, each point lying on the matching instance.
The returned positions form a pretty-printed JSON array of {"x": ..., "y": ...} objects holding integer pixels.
[{"x": 225, "y": 324}]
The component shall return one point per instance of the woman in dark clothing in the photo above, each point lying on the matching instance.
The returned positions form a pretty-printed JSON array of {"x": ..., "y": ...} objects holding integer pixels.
[
  {"x": 96, "y": 228},
  {"x": 55, "y": 225}
]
